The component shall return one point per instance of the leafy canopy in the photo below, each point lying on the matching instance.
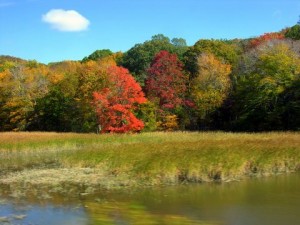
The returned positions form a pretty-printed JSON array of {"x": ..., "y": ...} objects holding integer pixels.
[
  {"x": 166, "y": 81},
  {"x": 116, "y": 102}
]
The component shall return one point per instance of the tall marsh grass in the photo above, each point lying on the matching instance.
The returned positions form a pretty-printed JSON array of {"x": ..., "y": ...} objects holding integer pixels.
[{"x": 153, "y": 158}]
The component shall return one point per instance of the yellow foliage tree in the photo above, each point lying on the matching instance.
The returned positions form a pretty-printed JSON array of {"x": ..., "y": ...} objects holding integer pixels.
[
  {"x": 168, "y": 123},
  {"x": 211, "y": 85},
  {"x": 21, "y": 85}
]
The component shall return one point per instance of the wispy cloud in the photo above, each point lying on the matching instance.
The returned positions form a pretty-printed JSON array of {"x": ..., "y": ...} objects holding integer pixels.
[
  {"x": 66, "y": 20},
  {"x": 6, "y": 3}
]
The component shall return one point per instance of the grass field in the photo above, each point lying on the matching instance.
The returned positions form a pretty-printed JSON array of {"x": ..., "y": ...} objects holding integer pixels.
[{"x": 144, "y": 159}]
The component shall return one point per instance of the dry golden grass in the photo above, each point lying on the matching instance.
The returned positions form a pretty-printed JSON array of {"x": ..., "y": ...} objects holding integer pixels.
[{"x": 148, "y": 158}]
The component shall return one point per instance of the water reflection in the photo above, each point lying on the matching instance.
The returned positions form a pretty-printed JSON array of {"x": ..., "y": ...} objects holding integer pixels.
[
  {"x": 133, "y": 213},
  {"x": 267, "y": 201},
  {"x": 11, "y": 214}
]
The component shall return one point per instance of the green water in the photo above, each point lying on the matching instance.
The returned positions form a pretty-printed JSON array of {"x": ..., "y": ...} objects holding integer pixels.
[{"x": 264, "y": 201}]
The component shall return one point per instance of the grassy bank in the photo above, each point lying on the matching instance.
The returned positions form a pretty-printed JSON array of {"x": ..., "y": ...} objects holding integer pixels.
[{"x": 144, "y": 159}]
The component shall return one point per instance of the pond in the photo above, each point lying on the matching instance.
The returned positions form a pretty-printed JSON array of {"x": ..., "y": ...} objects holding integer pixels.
[{"x": 257, "y": 201}]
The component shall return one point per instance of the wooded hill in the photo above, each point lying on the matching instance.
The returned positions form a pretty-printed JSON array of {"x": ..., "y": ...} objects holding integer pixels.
[{"x": 238, "y": 85}]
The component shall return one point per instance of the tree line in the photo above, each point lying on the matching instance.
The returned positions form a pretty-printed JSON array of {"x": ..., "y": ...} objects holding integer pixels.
[{"x": 235, "y": 85}]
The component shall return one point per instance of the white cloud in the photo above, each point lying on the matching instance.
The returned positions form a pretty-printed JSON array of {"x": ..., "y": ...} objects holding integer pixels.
[{"x": 66, "y": 20}]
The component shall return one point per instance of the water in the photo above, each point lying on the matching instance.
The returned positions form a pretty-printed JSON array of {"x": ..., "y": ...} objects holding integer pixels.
[{"x": 264, "y": 201}]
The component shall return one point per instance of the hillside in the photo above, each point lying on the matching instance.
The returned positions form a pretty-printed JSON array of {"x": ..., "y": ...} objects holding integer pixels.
[{"x": 159, "y": 85}]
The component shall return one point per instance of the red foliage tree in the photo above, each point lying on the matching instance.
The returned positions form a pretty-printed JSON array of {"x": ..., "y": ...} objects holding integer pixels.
[
  {"x": 264, "y": 38},
  {"x": 116, "y": 102},
  {"x": 166, "y": 81}
]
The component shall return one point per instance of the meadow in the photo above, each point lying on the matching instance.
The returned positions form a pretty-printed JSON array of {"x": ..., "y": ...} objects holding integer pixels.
[{"x": 159, "y": 158}]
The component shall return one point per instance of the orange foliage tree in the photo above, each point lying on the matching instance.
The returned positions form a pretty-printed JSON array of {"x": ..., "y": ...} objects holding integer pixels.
[
  {"x": 265, "y": 38},
  {"x": 115, "y": 103}
]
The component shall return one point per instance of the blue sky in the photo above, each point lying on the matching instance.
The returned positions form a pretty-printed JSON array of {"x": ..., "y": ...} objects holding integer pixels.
[{"x": 30, "y": 31}]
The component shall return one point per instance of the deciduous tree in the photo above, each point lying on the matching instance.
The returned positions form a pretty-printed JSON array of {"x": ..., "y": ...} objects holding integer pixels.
[
  {"x": 22, "y": 84},
  {"x": 274, "y": 71},
  {"x": 166, "y": 81},
  {"x": 166, "y": 86},
  {"x": 265, "y": 38},
  {"x": 211, "y": 85},
  {"x": 98, "y": 54},
  {"x": 116, "y": 102},
  {"x": 224, "y": 51},
  {"x": 138, "y": 59},
  {"x": 293, "y": 32}
]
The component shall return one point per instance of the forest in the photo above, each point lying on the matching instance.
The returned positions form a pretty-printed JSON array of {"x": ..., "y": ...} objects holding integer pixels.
[{"x": 160, "y": 85}]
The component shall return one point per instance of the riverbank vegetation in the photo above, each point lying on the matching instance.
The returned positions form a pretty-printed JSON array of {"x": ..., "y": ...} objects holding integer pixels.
[
  {"x": 134, "y": 160},
  {"x": 234, "y": 85}
]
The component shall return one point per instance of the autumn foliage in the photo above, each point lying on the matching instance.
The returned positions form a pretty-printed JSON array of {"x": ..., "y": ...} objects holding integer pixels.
[
  {"x": 265, "y": 38},
  {"x": 115, "y": 103},
  {"x": 166, "y": 81},
  {"x": 239, "y": 85},
  {"x": 210, "y": 87}
]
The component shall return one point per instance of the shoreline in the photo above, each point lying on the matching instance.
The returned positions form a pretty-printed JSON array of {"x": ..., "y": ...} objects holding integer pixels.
[
  {"x": 140, "y": 160},
  {"x": 86, "y": 181}
]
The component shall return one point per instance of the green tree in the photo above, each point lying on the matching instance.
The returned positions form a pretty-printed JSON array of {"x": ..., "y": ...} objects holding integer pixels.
[
  {"x": 98, "y": 54},
  {"x": 179, "y": 42},
  {"x": 138, "y": 59},
  {"x": 274, "y": 70},
  {"x": 289, "y": 105},
  {"x": 147, "y": 113},
  {"x": 53, "y": 112},
  {"x": 293, "y": 32},
  {"x": 56, "y": 111}
]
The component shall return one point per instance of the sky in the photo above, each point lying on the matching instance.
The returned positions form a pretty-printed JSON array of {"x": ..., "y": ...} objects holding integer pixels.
[{"x": 57, "y": 30}]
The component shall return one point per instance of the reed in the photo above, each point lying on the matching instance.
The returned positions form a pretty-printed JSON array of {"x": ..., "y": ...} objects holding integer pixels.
[{"x": 146, "y": 158}]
